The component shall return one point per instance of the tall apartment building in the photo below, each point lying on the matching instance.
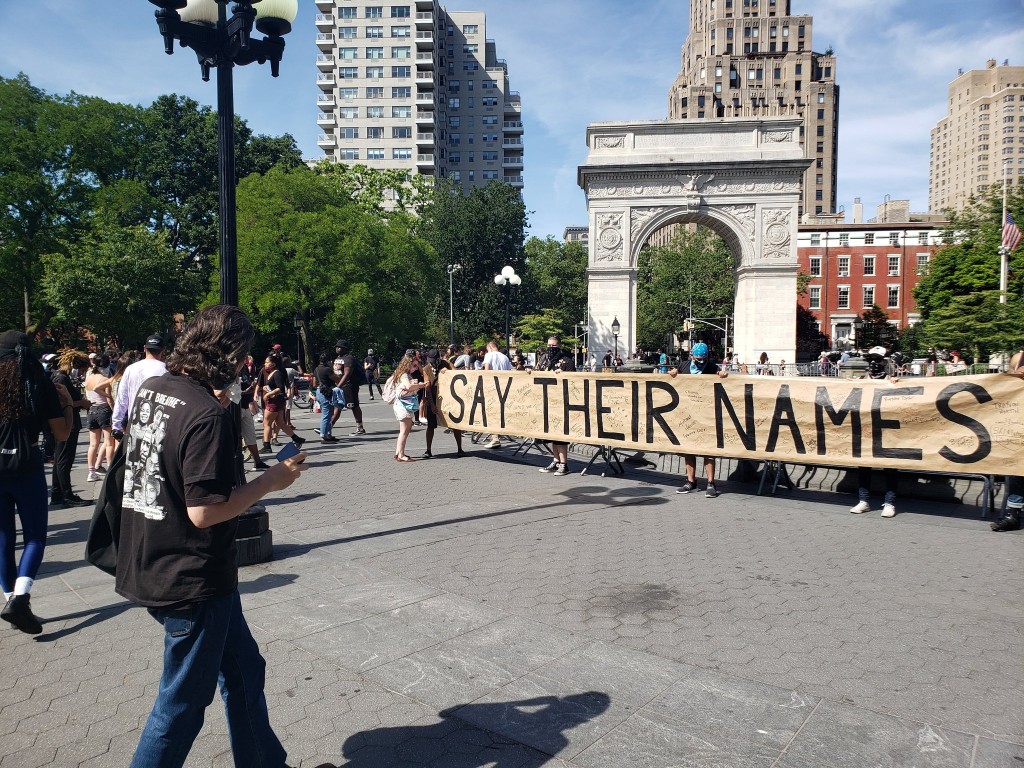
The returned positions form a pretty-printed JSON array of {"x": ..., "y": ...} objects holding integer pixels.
[
  {"x": 981, "y": 138},
  {"x": 753, "y": 58},
  {"x": 416, "y": 87}
]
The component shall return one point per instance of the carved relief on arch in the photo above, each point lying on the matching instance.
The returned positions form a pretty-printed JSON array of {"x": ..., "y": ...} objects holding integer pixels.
[
  {"x": 608, "y": 245},
  {"x": 776, "y": 237},
  {"x": 610, "y": 142},
  {"x": 744, "y": 216}
]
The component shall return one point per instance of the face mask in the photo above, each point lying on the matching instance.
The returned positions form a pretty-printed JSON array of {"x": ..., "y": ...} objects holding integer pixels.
[{"x": 268, "y": 368}]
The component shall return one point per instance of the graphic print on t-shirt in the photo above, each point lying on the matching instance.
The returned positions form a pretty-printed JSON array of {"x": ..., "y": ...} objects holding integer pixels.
[{"x": 143, "y": 481}]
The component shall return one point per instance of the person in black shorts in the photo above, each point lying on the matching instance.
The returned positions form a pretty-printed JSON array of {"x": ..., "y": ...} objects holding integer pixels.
[
  {"x": 350, "y": 379},
  {"x": 436, "y": 364}
]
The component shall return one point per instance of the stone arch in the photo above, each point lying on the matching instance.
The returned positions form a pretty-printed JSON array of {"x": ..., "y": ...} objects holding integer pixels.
[{"x": 741, "y": 178}]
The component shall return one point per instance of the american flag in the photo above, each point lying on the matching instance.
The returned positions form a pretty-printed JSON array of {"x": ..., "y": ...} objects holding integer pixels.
[{"x": 1011, "y": 232}]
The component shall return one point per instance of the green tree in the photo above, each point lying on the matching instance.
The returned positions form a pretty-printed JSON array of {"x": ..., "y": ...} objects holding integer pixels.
[
  {"x": 694, "y": 271},
  {"x": 481, "y": 231},
  {"x": 306, "y": 246},
  {"x": 121, "y": 283},
  {"x": 876, "y": 330},
  {"x": 379, "y": 189},
  {"x": 977, "y": 322},
  {"x": 533, "y": 330},
  {"x": 555, "y": 276}
]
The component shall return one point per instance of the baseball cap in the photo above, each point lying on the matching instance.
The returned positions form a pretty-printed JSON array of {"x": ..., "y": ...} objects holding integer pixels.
[
  {"x": 48, "y": 357},
  {"x": 92, "y": 355},
  {"x": 369, "y": 351},
  {"x": 155, "y": 341},
  {"x": 276, "y": 347},
  {"x": 880, "y": 351},
  {"x": 343, "y": 344},
  {"x": 410, "y": 353}
]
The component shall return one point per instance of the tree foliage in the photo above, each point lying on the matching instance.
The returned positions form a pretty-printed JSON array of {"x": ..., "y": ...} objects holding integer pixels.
[
  {"x": 555, "y": 277},
  {"x": 533, "y": 330},
  {"x": 876, "y": 330},
  {"x": 380, "y": 190},
  {"x": 306, "y": 246},
  {"x": 694, "y": 271}
]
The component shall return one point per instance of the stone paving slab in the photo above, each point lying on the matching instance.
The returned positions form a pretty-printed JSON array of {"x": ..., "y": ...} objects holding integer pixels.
[{"x": 475, "y": 612}]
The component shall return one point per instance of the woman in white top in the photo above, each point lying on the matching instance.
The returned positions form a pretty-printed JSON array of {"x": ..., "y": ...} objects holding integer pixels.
[
  {"x": 101, "y": 409},
  {"x": 407, "y": 398}
]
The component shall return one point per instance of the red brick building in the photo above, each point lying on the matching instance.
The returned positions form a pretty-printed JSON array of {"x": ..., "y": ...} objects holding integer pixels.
[{"x": 854, "y": 266}]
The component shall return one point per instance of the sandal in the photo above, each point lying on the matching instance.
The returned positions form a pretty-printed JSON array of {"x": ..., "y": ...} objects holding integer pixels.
[{"x": 404, "y": 458}]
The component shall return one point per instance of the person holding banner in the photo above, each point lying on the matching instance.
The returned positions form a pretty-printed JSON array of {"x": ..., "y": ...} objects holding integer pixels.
[
  {"x": 1010, "y": 521},
  {"x": 557, "y": 359},
  {"x": 878, "y": 368},
  {"x": 699, "y": 363}
]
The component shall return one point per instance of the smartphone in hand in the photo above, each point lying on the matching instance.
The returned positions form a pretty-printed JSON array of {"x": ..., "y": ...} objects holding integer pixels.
[{"x": 287, "y": 452}]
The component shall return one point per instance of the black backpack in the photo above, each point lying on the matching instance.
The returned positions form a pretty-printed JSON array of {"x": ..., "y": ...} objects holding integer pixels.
[{"x": 15, "y": 448}]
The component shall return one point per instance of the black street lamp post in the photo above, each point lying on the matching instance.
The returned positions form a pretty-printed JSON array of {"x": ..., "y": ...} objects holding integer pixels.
[
  {"x": 222, "y": 42},
  {"x": 615, "y": 332},
  {"x": 297, "y": 322},
  {"x": 506, "y": 280}
]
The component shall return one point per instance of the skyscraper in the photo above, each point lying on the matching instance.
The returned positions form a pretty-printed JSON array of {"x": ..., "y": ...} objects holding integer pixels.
[
  {"x": 417, "y": 87},
  {"x": 752, "y": 58},
  {"x": 981, "y": 138}
]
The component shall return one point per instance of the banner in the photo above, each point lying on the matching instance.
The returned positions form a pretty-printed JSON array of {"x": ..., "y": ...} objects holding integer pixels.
[{"x": 938, "y": 424}]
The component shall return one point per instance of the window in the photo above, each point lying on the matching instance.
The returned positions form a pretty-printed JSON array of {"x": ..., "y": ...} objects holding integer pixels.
[
  {"x": 374, "y": 32},
  {"x": 401, "y": 154},
  {"x": 453, "y": 102},
  {"x": 375, "y": 132},
  {"x": 454, "y": 85},
  {"x": 349, "y": 33},
  {"x": 375, "y": 12},
  {"x": 401, "y": 111},
  {"x": 349, "y": 133},
  {"x": 401, "y": 132},
  {"x": 375, "y": 53},
  {"x": 489, "y": 101},
  {"x": 922, "y": 262},
  {"x": 456, "y": 175},
  {"x": 844, "y": 266},
  {"x": 400, "y": 72},
  {"x": 490, "y": 120},
  {"x": 814, "y": 297},
  {"x": 375, "y": 93},
  {"x": 470, "y": 29},
  {"x": 869, "y": 238},
  {"x": 375, "y": 73},
  {"x": 348, "y": 93},
  {"x": 400, "y": 52},
  {"x": 348, "y": 73},
  {"x": 347, "y": 13},
  {"x": 349, "y": 154},
  {"x": 844, "y": 297},
  {"x": 400, "y": 32},
  {"x": 401, "y": 92},
  {"x": 894, "y": 238},
  {"x": 470, "y": 48},
  {"x": 922, "y": 238},
  {"x": 490, "y": 175},
  {"x": 402, "y": 12},
  {"x": 869, "y": 297},
  {"x": 816, "y": 239},
  {"x": 894, "y": 296},
  {"x": 454, "y": 121},
  {"x": 375, "y": 112},
  {"x": 844, "y": 239},
  {"x": 455, "y": 158},
  {"x": 815, "y": 266},
  {"x": 347, "y": 53},
  {"x": 894, "y": 265},
  {"x": 375, "y": 154},
  {"x": 821, "y": 98},
  {"x": 348, "y": 113},
  {"x": 490, "y": 157},
  {"x": 454, "y": 139},
  {"x": 869, "y": 266}
]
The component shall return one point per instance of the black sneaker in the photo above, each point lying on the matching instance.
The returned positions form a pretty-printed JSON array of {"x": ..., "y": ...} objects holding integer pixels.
[
  {"x": 298, "y": 440},
  {"x": 711, "y": 492},
  {"x": 261, "y": 465},
  {"x": 686, "y": 487},
  {"x": 550, "y": 467},
  {"x": 359, "y": 432},
  {"x": 561, "y": 471},
  {"x": 76, "y": 501},
  {"x": 329, "y": 439},
  {"x": 1009, "y": 522},
  {"x": 266, "y": 449},
  {"x": 18, "y": 612}
]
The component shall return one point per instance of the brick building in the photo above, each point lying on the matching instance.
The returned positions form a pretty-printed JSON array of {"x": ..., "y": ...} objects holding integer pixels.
[{"x": 857, "y": 265}]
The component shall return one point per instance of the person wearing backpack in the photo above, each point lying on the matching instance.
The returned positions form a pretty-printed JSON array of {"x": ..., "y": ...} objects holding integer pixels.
[
  {"x": 351, "y": 378},
  {"x": 29, "y": 400}
]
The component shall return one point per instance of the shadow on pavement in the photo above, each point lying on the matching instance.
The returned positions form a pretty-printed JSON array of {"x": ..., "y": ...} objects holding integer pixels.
[
  {"x": 95, "y": 616},
  {"x": 464, "y": 737},
  {"x": 578, "y": 495}
]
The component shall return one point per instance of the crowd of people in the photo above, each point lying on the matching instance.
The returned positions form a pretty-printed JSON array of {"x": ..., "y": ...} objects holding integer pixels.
[{"x": 169, "y": 415}]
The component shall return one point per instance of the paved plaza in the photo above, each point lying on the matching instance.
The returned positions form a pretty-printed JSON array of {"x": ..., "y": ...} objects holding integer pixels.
[{"x": 474, "y": 612}]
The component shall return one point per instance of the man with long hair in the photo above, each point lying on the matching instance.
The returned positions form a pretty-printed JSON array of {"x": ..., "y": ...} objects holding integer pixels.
[{"x": 176, "y": 554}]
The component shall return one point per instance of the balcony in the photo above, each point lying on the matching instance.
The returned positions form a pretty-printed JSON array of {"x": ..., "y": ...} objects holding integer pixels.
[
  {"x": 325, "y": 40},
  {"x": 424, "y": 5},
  {"x": 325, "y": 101},
  {"x": 425, "y": 100},
  {"x": 425, "y": 60},
  {"x": 425, "y": 117},
  {"x": 425, "y": 160},
  {"x": 325, "y": 60},
  {"x": 513, "y": 108},
  {"x": 512, "y": 161},
  {"x": 425, "y": 79},
  {"x": 425, "y": 19},
  {"x": 513, "y": 142},
  {"x": 325, "y": 80},
  {"x": 326, "y": 119},
  {"x": 515, "y": 181},
  {"x": 512, "y": 126},
  {"x": 324, "y": 21},
  {"x": 326, "y": 140},
  {"x": 425, "y": 138},
  {"x": 425, "y": 40},
  {"x": 325, "y": 6}
]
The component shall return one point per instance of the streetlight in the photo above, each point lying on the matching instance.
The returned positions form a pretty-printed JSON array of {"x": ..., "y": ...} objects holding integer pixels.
[
  {"x": 452, "y": 269},
  {"x": 204, "y": 26},
  {"x": 615, "y": 332},
  {"x": 297, "y": 322},
  {"x": 506, "y": 280},
  {"x": 858, "y": 325}
]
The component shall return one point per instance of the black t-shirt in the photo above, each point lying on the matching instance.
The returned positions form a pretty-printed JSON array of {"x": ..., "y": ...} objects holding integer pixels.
[
  {"x": 46, "y": 404},
  {"x": 59, "y": 377},
  {"x": 370, "y": 364},
  {"x": 324, "y": 378},
  {"x": 710, "y": 366},
  {"x": 245, "y": 381},
  {"x": 356, "y": 376},
  {"x": 278, "y": 380},
  {"x": 180, "y": 449}
]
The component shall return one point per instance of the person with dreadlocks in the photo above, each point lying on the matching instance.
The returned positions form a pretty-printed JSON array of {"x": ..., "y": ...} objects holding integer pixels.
[
  {"x": 69, "y": 361},
  {"x": 28, "y": 402}
]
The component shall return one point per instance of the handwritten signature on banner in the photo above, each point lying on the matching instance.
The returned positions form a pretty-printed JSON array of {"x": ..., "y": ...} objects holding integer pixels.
[{"x": 961, "y": 424}]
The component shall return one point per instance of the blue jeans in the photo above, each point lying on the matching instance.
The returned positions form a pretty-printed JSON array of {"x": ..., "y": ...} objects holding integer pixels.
[
  {"x": 326, "y": 414},
  {"x": 27, "y": 495},
  {"x": 207, "y": 643}
]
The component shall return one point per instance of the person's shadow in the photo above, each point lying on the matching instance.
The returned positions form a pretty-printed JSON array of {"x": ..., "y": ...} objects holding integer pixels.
[{"x": 477, "y": 735}]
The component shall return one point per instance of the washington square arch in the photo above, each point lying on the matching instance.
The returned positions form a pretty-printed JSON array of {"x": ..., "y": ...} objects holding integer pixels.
[{"x": 740, "y": 178}]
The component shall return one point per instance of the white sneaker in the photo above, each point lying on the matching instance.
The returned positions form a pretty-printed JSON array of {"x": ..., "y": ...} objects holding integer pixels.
[
  {"x": 493, "y": 444},
  {"x": 94, "y": 476},
  {"x": 550, "y": 467},
  {"x": 888, "y": 510},
  {"x": 861, "y": 508}
]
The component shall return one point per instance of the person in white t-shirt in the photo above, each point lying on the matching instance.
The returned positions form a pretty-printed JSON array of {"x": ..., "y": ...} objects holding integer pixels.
[
  {"x": 495, "y": 360},
  {"x": 134, "y": 375}
]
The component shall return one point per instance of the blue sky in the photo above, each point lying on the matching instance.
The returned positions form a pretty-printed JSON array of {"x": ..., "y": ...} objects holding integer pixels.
[{"x": 574, "y": 62}]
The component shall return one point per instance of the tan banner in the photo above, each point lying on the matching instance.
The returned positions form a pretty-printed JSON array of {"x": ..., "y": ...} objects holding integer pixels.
[{"x": 943, "y": 424}]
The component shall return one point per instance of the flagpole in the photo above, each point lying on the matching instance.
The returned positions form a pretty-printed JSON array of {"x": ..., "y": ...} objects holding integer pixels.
[{"x": 1004, "y": 252}]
